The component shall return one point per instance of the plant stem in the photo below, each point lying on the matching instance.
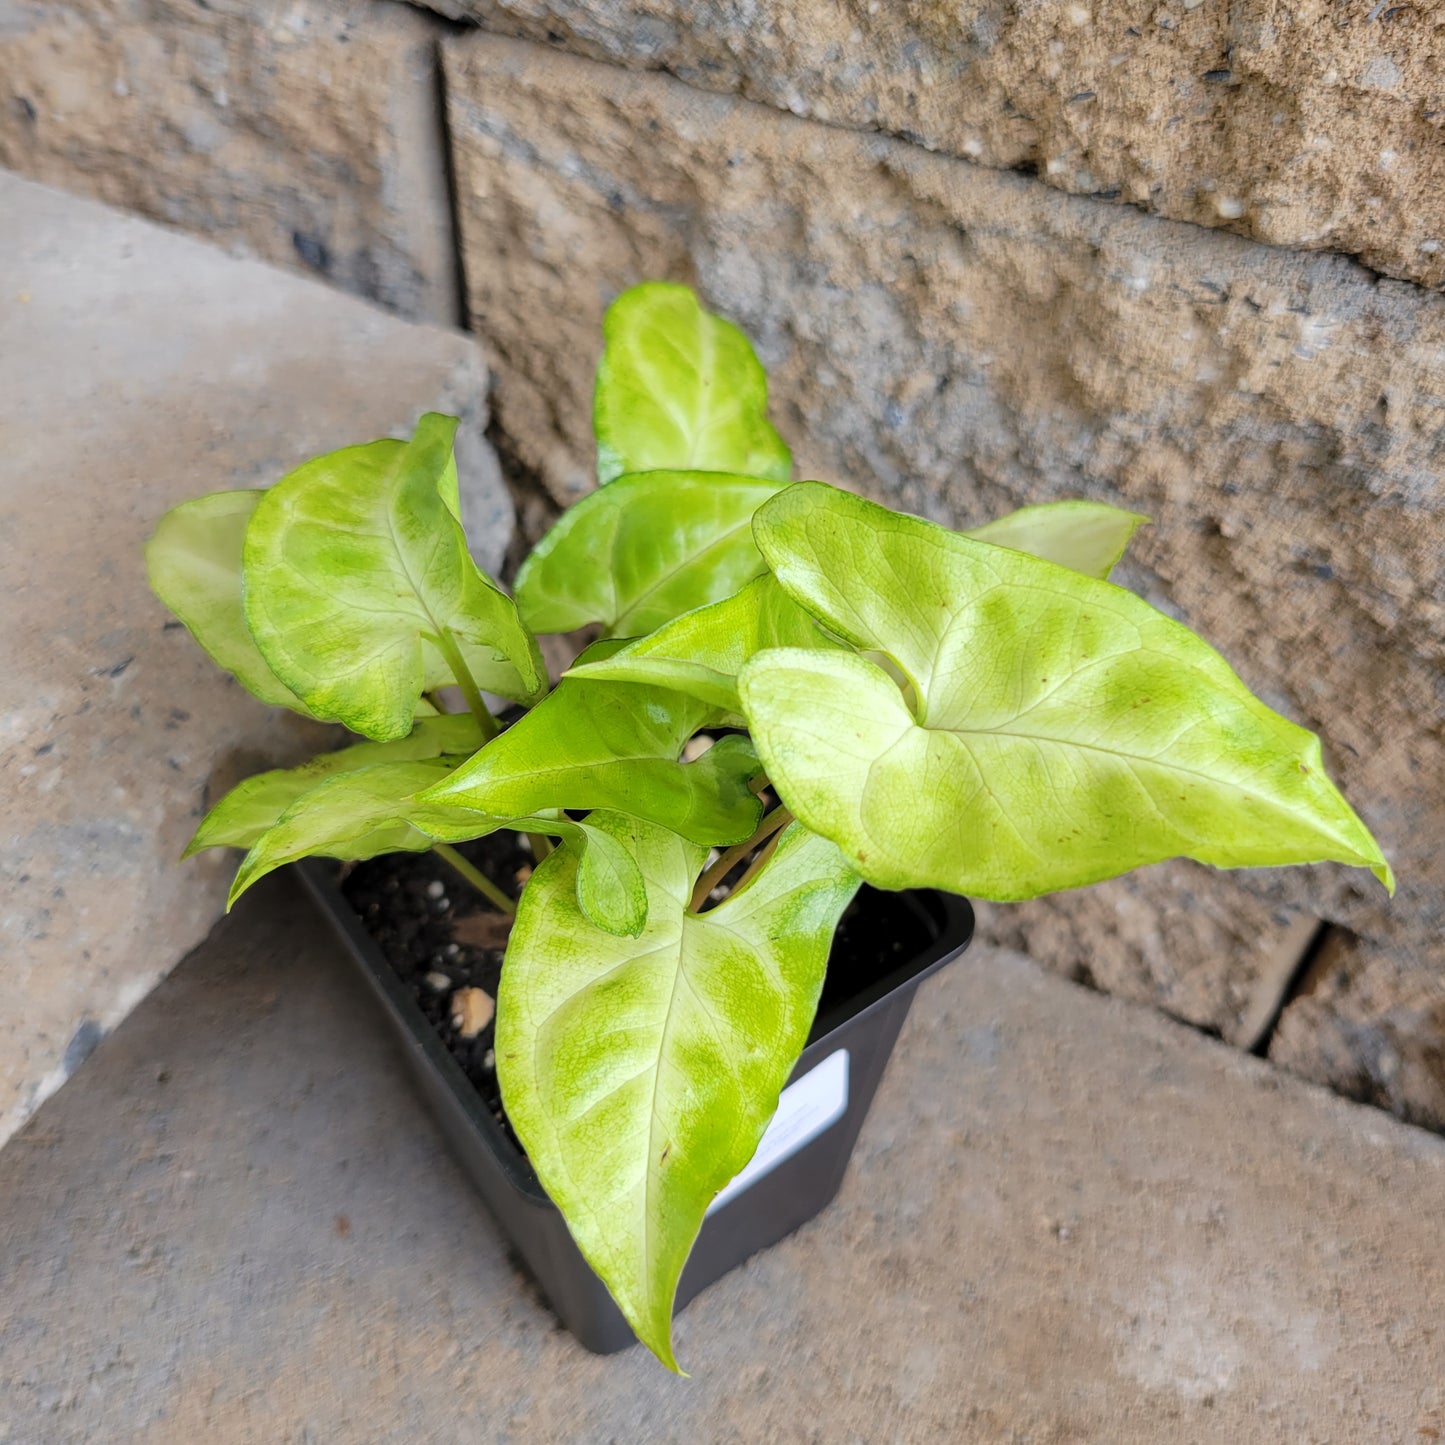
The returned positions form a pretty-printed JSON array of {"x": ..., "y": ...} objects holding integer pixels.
[
  {"x": 475, "y": 877},
  {"x": 541, "y": 846},
  {"x": 775, "y": 821},
  {"x": 756, "y": 866},
  {"x": 447, "y": 645}
]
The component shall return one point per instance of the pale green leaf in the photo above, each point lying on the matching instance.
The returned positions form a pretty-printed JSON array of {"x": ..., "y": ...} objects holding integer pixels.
[
  {"x": 1062, "y": 730},
  {"x": 256, "y": 804},
  {"x": 449, "y": 487},
  {"x": 613, "y": 745},
  {"x": 610, "y": 887},
  {"x": 1088, "y": 537},
  {"x": 636, "y": 554},
  {"x": 701, "y": 652},
  {"x": 703, "y": 1017},
  {"x": 379, "y": 814},
  {"x": 360, "y": 591},
  {"x": 361, "y": 814},
  {"x": 679, "y": 389},
  {"x": 194, "y": 564}
]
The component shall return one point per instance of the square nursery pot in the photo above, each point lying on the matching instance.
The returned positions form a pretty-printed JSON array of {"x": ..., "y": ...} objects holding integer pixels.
[{"x": 801, "y": 1160}]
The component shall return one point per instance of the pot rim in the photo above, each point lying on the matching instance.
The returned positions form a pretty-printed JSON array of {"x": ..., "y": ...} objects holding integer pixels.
[{"x": 949, "y": 917}]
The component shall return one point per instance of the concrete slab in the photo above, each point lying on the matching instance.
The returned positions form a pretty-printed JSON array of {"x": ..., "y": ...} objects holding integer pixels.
[
  {"x": 138, "y": 368},
  {"x": 1068, "y": 1221}
]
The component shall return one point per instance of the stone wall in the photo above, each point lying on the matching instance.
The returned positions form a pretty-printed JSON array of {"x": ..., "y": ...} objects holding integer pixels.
[
  {"x": 957, "y": 341},
  {"x": 877, "y": 193},
  {"x": 303, "y": 132},
  {"x": 1305, "y": 123}
]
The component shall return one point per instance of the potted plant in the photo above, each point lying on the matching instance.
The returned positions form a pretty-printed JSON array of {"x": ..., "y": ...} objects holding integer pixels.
[{"x": 795, "y": 691}]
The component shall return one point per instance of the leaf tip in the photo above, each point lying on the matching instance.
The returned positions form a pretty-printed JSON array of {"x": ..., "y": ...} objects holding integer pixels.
[
  {"x": 252, "y": 870},
  {"x": 440, "y": 422},
  {"x": 660, "y": 1343}
]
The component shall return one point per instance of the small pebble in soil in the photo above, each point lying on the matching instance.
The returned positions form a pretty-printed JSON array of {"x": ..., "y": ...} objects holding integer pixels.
[
  {"x": 472, "y": 1010},
  {"x": 523, "y": 873},
  {"x": 435, "y": 888},
  {"x": 489, "y": 1060},
  {"x": 437, "y": 981}
]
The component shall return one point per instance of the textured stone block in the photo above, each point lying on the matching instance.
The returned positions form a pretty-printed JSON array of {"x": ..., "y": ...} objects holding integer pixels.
[
  {"x": 1193, "y": 942},
  {"x": 1370, "y": 1022},
  {"x": 1305, "y": 123},
  {"x": 956, "y": 342},
  {"x": 139, "y": 368},
  {"x": 304, "y": 132}
]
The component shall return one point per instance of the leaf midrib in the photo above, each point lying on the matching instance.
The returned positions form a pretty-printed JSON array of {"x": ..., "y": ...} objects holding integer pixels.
[
  {"x": 691, "y": 560},
  {"x": 1131, "y": 759}
]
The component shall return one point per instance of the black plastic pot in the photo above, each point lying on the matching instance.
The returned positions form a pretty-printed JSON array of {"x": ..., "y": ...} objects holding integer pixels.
[{"x": 798, "y": 1167}]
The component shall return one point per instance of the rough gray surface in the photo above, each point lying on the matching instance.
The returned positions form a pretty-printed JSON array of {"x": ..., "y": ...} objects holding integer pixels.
[
  {"x": 139, "y": 368},
  {"x": 1184, "y": 937},
  {"x": 1310, "y": 123},
  {"x": 958, "y": 342},
  {"x": 1067, "y": 1220},
  {"x": 305, "y": 132},
  {"x": 1370, "y": 1022}
]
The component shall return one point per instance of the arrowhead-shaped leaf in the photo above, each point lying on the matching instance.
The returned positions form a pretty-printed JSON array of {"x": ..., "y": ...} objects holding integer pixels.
[
  {"x": 360, "y": 592},
  {"x": 679, "y": 389},
  {"x": 703, "y": 1018},
  {"x": 1063, "y": 731},
  {"x": 256, "y": 804},
  {"x": 701, "y": 652},
  {"x": 379, "y": 814},
  {"x": 613, "y": 745},
  {"x": 636, "y": 554},
  {"x": 194, "y": 564},
  {"x": 361, "y": 814},
  {"x": 1088, "y": 537}
]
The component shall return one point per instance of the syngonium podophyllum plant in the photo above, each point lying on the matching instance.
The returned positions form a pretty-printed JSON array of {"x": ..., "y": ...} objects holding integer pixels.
[{"x": 981, "y": 711}]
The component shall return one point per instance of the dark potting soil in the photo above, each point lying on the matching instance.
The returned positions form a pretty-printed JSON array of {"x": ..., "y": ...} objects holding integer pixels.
[{"x": 441, "y": 936}]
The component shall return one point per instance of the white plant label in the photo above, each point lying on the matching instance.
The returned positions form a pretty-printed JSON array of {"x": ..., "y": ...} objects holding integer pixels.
[{"x": 805, "y": 1108}]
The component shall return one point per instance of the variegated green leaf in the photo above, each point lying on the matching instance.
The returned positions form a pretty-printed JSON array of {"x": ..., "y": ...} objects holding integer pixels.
[
  {"x": 1088, "y": 537},
  {"x": 1059, "y": 730},
  {"x": 636, "y": 554},
  {"x": 256, "y": 804},
  {"x": 703, "y": 1017},
  {"x": 360, "y": 591},
  {"x": 613, "y": 745},
  {"x": 361, "y": 814},
  {"x": 194, "y": 564},
  {"x": 679, "y": 389},
  {"x": 701, "y": 652}
]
